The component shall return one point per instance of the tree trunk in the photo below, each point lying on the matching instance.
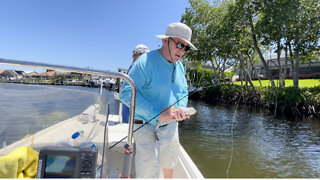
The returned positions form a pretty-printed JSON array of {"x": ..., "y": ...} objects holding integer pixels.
[
  {"x": 214, "y": 71},
  {"x": 297, "y": 62},
  {"x": 254, "y": 69},
  {"x": 246, "y": 72},
  {"x": 255, "y": 42},
  {"x": 279, "y": 63},
  {"x": 228, "y": 77},
  {"x": 249, "y": 79},
  {"x": 241, "y": 71},
  {"x": 285, "y": 66},
  {"x": 296, "y": 71},
  {"x": 222, "y": 72},
  {"x": 291, "y": 60}
]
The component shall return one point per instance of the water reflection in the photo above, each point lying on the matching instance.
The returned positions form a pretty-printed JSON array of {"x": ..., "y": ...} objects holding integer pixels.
[{"x": 263, "y": 146}]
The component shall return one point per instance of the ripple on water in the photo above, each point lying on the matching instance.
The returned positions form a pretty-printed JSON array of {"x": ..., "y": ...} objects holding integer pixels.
[{"x": 263, "y": 146}]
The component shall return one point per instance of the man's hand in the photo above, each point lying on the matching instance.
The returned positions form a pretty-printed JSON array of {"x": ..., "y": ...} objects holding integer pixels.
[{"x": 173, "y": 114}]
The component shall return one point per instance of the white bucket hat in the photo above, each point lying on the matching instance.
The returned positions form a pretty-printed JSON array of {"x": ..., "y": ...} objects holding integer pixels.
[
  {"x": 179, "y": 30},
  {"x": 140, "y": 49}
]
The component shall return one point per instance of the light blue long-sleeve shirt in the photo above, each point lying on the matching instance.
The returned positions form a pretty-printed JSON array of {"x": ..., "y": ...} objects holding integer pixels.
[{"x": 155, "y": 88}]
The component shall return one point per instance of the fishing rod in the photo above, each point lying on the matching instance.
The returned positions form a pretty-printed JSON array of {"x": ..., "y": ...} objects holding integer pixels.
[{"x": 189, "y": 94}]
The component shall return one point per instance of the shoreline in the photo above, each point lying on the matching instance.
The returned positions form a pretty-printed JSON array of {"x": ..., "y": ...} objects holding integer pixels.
[
  {"x": 276, "y": 105},
  {"x": 110, "y": 87}
]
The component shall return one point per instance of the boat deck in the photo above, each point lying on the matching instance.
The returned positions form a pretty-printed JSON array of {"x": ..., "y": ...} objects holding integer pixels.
[{"x": 94, "y": 129}]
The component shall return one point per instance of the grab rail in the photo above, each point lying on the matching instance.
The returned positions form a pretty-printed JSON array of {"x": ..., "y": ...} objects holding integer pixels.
[{"x": 86, "y": 71}]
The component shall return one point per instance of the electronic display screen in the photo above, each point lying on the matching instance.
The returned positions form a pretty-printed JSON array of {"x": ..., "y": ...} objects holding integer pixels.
[{"x": 59, "y": 166}]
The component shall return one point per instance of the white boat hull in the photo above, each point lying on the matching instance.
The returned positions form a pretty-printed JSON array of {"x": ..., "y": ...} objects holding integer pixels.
[{"x": 61, "y": 134}]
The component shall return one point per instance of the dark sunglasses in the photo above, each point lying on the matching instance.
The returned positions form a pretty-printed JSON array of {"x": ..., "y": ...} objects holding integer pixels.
[{"x": 179, "y": 45}]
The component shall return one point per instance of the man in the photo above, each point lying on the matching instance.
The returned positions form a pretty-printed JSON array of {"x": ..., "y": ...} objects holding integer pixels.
[
  {"x": 160, "y": 83},
  {"x": 137, "y": 52}
]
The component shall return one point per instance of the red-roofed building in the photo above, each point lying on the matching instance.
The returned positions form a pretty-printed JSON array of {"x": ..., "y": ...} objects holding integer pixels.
[{"x": 47, "y": 74}]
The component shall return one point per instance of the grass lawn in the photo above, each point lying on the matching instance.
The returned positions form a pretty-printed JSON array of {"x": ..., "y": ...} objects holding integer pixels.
[{"x": 289, "y": 82}]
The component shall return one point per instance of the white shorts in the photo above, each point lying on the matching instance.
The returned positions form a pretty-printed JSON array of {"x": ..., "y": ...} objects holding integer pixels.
[{"x": 152, "y": 155}]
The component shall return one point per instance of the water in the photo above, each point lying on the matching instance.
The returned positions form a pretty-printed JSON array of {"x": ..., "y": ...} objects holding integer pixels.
[
  {"x": 263, "y": 146},
  {"x": 26, "y": 109}
]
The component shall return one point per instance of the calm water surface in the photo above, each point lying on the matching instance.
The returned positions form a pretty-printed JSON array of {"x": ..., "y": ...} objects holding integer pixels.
[
  {"x": 259, "y": 145},
  {"x": 26, "y": 109},
  {"x": 263, "y": 146}
]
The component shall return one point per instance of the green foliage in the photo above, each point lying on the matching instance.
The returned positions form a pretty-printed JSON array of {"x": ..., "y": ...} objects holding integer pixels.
[
  {"x": 62, "y": 76},
  {"x": 283, "y": 96},
  {"x": 232, "y": 94},
  {"x": 230, "y": 74},
  {"x": 223, "y": 93},
  {"x": 288, "y": 97},
  {"x": 204, "y": 17},
  {"x": 302, "y": 83},
  {"x": 201, "y": 77},
  {"x": 311, "y": 96},
  {"x": 232, "y": 32}
]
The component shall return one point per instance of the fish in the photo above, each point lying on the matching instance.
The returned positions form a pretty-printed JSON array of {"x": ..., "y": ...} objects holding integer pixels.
[{"x": 188, "y": 110}]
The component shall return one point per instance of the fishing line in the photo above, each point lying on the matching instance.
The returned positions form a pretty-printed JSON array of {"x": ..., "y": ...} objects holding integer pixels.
[
  {"x": 189, "y": 94},
  {"x": 232, "y": 135}
]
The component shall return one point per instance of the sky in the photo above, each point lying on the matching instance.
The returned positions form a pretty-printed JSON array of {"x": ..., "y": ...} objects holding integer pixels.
[{"x": 99, "y": 34}]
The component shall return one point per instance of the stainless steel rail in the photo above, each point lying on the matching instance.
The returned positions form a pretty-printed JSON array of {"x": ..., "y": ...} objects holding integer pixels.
[{"x": 85, "y": 71}]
